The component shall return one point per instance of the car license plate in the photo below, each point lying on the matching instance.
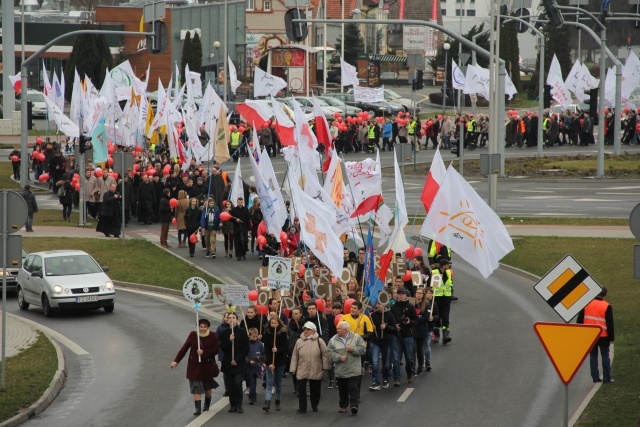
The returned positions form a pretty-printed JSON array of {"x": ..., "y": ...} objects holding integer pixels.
[{"x": 86, "y": 299}]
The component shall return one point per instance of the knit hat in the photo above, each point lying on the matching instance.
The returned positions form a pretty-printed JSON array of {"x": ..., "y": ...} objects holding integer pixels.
[{"x": 310, "y": 325}]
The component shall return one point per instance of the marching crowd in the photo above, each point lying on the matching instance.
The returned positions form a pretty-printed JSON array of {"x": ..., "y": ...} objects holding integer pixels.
[{"x": 336, "y": 339}]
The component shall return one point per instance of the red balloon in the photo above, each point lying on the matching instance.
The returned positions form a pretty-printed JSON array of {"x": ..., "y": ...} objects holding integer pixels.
[
  {"x": 253, "y": 295},
  {"x": 151, "y": 171},
  {"x": 261, "y": 239},
  {"x": 174, "y": 221},
  {"x": 99, "y": 173},
  {"x": 409, "y": 252},
  {"x": 136, "y": 167},
  {"x": 166, "y": 172},
  {"x": 262, "y": 309},
  {"x": 42, "y": 157},
  {"x": 111, "y": 148},
  {"x": 283, "y": 236},
  {"x": 250, "y": 143},
  {"x": 407, "y": 276},
  {"x": 35, "y": 154},
  {"x": 226, "y": 216},
  {"x": 38, "y": 140},
  {"x": 334, "y": 280},
  {"x": 320, "y": 304},
  {"x": 417, "y": 252},
  {"x": 110, "y": 161},
  {"x": 138, "y": 148},
  {"x": 173, "y": 202},
  {"x": 301, "y": 270},
  {"x": 339, "y": 119},
  {"x": 15, "y": 159},
  {"x": 286, "y": 312},
  {"x": 77, "y": 186},
  {"x": 347, "y": 304},
  {"x": 193, "y": 239},
  {"x": 241, "y": 129},
  {"x": 76, "y": 176},
  {"x": 44, "y": 177},
  {"x": 337, "y": 319}
]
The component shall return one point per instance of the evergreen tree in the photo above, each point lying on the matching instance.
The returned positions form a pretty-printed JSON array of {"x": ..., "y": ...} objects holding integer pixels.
[
  {"x": 186, "y": 52},
  {"x": 510, "y": 51},
  {"x": 482, "y": 41},
  {"x": 195, "y": 58},
  {"x": 353, "y": 43},
  {"x": 555, "y": 44}
]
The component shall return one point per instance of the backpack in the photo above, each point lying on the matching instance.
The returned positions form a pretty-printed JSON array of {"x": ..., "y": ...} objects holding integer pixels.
[{"x": 62, "y": 192}]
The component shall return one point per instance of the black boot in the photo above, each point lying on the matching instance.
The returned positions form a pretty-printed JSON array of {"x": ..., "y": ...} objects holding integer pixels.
[
  {"x": 198, "y": 407},
  {"x": 445, "y": 336},
  {"x": 207, "y": 403},
  {"x": 277, "y": 405},
  {"x": 240, "y": 410},
  {"x": 267, "y": 406}
]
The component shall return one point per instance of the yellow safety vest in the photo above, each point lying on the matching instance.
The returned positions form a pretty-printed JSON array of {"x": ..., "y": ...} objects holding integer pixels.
[
  {"x": 235, "y": 139},
  {"x": 446, "y": 289},
  {"x": 152, "y": 147},
  {"x": 545, "y": 124},
  {"x": 371, "y": 133},
  {"x": 411, "y": 129},
  {"x": 471, "y": 126}
]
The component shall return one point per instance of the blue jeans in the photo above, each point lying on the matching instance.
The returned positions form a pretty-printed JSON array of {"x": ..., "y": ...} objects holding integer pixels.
[
  {"x": 427, "y": 349},
  {"x": 253, "y": 396},
  {"x": 402, "y": 346},
  {"x": 377, "y": 349},
  {"x": 603, "y": 345},
  {"x": 274, "y": 377}
]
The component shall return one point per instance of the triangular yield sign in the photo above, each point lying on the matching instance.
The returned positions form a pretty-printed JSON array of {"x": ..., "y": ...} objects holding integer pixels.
[{"x": 567, "y": 345}]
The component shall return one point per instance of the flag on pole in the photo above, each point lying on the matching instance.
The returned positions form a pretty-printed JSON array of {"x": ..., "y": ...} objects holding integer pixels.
[
  {"x": 47, "y": 90},
  {"x": 397, "y": 245},
  {"x": 457, "y": 76},
  {"x": 273, "y": 211},
  {"x": 265, "y": 84},
  {"x": 237, "y": 189},
  {"x": 348, "y": 74},
  {"x": 222, "y": 136},
  {"x": 366, "y": 184},
  {"x": 323, "y": 134},
  {"x": 436, "y": 174},
  {"x": 462, "y": 221},
  {"x": 401, "y": 207},
  {"x": 574, "y": 76},
  {"x": 372, "y": 283},
  {"x": 284, "y": 126},
  {"x": 307, "y": 142},
  {"x": 559, "y": 91},
  {"x": 255, "y": 112},
  {"x": 233, "y": 76}
]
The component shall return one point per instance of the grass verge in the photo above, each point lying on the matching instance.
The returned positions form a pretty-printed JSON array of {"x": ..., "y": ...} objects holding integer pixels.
[
  {"x": 614, "y": 403},
  {"x": 53, "y": 217},
  {"x": 136, "y": 261},
  {"x": 6, "y": 170},
  {"x": 28, "y": 376},
  {"x": 600, "y": 222}
]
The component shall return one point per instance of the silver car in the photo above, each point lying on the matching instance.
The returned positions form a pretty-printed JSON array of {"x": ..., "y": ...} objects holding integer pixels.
[{"x": 64, "y": 280}]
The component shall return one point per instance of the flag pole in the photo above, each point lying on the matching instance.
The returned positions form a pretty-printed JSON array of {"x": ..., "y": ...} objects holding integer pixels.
[
  {"x": 354, "y": 199},
  {"x": 411, "y": 230}
]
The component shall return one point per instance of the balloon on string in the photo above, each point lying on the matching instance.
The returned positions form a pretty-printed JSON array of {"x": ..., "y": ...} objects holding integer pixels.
[
  {"x": 408, "y": 254},
  {"x": 151, "y": 172},
  {"x": 253, "y": 295},
  {"x": 42, "y": 157},
  {"x": 44, "y": 177},
  {"x": 193, "y": 239},
  {"x": 15, "y": 159},
  {"x": 226, "y": 216},
  {"x": 77, "y": 186},
  {"x": 284, "y": 237},
  {"x": 301, "y": 270},
  {"x": 99, "y": 173},
  {"x": 174, "y": 221},
  {"x": 337, "y": 320},
  {"x": 173, "y": 202},
  {"x": 166, "y": 172},
  {"x": 111, "y": 148},
  {"x": 417, "y": 252},
  {"x": 261, "y": 239},
  {"x": 262, "y": 309},
  {"x": 320, "y": 304},
  {"x": 35, "y": 154},
  {"x": 407, "y": 276},
  {"x": 38, "y": 140},
  {"x": 347, "y": 304},
  {"x": 241, "y": 129},
  {"x": 110, "y": 161}
]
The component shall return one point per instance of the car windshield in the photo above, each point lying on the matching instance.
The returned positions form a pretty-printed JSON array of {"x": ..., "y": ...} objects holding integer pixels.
[
  {"x": 392, "y": 94},
  {"x": 70, "y": 265},
  {"x": 333, "y": 101},
  {"x": 322, "y": 102},
  {"x": 35, "y": 97}
]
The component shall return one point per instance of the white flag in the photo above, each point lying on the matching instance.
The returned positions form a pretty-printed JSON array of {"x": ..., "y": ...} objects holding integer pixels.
[
  {"x": 273, "y": 213},
  {"x": 477, "y": 81},
  {"x": 348, "y": 74},
  {"x": 307, "y": 142},
  {"x": 457, "y": 76},
  {"x": 610, "y": 86},
  {"x": 265, "y": 84},
  {"x": 48, "y": 89},
  {"x": 237, "y": 189},
  {"x": 401, "y": 206},
  {"x": 574, "y": 75},
  {"x": 460, "y": 219},
  {"x": 585, "y": 84},
  {"x": 631, "y": 73},
  {"x": 316, "y": 231},
  {"x": 509, "y": 87},
  {"x": 233, "y": 77},
  {"x": 559, "y": 91},
  {"x": 64, "y": 123},
  {"x": 365, "y": 179}
]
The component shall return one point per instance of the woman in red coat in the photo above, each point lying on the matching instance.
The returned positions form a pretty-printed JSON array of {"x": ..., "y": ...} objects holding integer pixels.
[{"x": 200, "y": 372}]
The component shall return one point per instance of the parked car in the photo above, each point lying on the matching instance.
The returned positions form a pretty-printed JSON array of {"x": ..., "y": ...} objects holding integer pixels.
[
  {"x": 374, "y": 108},
  {"x": 39, "y": 108},
  {"x": 349, "y": 110},
  {"x": 396, "y": 98},
  {"x": 64, "y": 280},
  {"x": 12, "y": 275},
  {"x": 328, "y": 110}
]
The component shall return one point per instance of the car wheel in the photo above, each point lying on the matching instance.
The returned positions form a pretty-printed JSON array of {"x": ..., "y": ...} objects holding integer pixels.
[
  {"x": 109, "y": 308},
  {"x": 372, "y": 112},
  {"x": 21, "y": 302},
  {"x": 46, "y": 307}
]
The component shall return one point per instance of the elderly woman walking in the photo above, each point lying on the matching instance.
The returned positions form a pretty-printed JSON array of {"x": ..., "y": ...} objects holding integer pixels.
[{"x": 309, "y": 360}]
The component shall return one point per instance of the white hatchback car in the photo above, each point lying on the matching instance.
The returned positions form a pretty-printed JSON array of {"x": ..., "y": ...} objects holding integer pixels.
[{"x": 66, "y": 280}]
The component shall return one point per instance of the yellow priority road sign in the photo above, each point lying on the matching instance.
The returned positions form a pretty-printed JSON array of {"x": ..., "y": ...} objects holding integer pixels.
[{"x": 568, "y": 288}]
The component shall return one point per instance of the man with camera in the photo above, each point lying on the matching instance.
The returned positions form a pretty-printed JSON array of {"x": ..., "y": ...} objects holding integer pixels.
[{"x": 403, "y": 339}]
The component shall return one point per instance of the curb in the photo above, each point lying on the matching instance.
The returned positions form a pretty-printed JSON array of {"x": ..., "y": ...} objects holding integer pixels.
[
  {"x": 150, "y": 288},
  {"x": 57, "y": 383}
]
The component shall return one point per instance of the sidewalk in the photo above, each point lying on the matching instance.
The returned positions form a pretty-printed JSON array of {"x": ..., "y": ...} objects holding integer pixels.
[{"x": 20, "y": 335}]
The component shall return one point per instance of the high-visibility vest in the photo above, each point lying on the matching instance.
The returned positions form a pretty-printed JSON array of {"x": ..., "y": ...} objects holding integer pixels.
[
  {"x": 471, "y": 125},
  {"x": 446, "y": 289},
  {"x": 371, "y": 133},
  {"x": 594, "y": 314},
  {"x": 434, "y": 250},
  {"x": 545, "y": 124},
  {"x": 235, "y": 138},
  {"x": 411, "y": 129},
  {"x": 152, "y": 147}
]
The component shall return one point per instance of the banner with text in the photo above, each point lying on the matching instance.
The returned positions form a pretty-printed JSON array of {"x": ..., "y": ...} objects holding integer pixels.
[{"x": 368, "y": 94}]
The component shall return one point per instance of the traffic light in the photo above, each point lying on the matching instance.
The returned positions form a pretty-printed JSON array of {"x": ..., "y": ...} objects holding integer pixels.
[
  {"x": 419, "y": 79},
  {"x": 414, "y": 85},
  {"x": 547, "y": 96},
  {"x": 159, "y": 42},
  {"x": 504, "y": 10},
  {"x": 85, "y": 143},
  {"x": 555, "y": 17},
  {"x": 296, "y": 31},
  {"x": 539, "y": 25},
  {"x": 593, "y": 102}
]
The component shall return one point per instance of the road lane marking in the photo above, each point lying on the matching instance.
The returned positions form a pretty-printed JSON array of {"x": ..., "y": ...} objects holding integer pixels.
[
  {"x": 405, "y": 395},
  {"x": 55, "y": 335}
]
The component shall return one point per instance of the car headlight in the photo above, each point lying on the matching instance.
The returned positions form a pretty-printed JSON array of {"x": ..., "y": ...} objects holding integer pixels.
[
  {"x": 108, "y": 286},
  {"x": 57, "y": 289}
]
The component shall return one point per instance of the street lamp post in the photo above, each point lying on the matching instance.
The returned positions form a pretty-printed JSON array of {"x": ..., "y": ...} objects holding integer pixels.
[
  {"x": 216, "y": 44},
  {"x": 446, "y": 48}
]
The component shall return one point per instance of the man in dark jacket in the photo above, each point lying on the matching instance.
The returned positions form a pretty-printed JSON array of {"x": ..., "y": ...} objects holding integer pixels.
[
  {"x": 234, "y": 343},
  {"x": 146, "y": 200},
  {"x": 241, "y": 218},
  {"x": 32, "y": 206},
  {"x": 600, "y": 313},
  {"x": 405, "y": 314},
  {"x": 381, "y": 341},
  {"x": 14, "y": 157},
  {"x": 110, "y": 222},
  {"x": 164, "y": 213},
  {"x": 318, "y": 319}
]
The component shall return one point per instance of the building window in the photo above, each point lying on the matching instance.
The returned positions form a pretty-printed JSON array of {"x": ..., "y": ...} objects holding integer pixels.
[
  {"x": 471, "y": 12},
  {"x": 267, "y": 5},
  {"x": 443, "y": 12},
  {"x": 251, "y": 4},
  {"x": 459, "y": 12}
]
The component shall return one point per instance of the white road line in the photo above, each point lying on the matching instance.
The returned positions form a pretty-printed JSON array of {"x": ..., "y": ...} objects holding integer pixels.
[
  {"x": 618, "y": 194},
  {"x": 405, "y": 395},
  {"x": 206, "y": 416},
  {"x": 55, "y": 335},
  {"x": 557, "y": 214},
  {"x": 533, "y": 191}
]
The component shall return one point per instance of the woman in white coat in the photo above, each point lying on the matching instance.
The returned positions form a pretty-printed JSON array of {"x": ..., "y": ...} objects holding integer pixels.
[{"x": 308, "y": 362}]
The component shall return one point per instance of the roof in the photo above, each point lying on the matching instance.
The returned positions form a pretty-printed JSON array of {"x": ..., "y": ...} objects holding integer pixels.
[{"x": 334, "y": 8}]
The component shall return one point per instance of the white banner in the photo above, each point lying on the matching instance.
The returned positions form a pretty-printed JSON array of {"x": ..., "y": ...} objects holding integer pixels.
[
  {"x": 414, "y": 38},
  {"x": 279, "y": 273},
  {"x": 368, "y": 94}
]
